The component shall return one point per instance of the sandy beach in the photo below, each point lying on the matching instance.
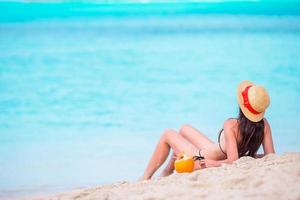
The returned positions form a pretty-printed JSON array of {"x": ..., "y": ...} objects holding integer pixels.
[{"x": 271, "y": 177}]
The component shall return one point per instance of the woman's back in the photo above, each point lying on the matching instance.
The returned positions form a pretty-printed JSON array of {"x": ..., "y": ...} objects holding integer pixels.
[{"x": 233, "y": 125}]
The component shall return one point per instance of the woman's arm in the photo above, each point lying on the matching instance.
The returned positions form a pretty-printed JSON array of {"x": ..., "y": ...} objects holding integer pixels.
[
  {"x": 230, "y": 142},
  {"x": 268, "y": 141},
  {"x": 231, "y": 146},
  {"x": 212, "y": 163}
]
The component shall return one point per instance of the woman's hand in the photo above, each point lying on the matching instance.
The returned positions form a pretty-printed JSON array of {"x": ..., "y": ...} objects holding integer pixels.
[{"x": 206, "y": 163}]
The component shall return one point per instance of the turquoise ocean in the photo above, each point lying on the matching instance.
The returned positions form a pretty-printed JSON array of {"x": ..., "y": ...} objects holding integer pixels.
[{"x": 86, "y": 88}]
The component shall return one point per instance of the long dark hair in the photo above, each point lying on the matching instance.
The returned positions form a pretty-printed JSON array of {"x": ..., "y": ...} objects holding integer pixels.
[{"x": 251, "y": 135}]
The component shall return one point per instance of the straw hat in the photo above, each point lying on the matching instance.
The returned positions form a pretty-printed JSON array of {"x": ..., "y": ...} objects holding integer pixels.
[{"x": 253, "y": 100}]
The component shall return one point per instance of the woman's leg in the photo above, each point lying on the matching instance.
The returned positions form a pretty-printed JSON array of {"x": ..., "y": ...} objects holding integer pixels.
[
  {"x": 170, "y": 166},
  {"x": 169, "y": 139},
  {"x": 193, "y": 136}
]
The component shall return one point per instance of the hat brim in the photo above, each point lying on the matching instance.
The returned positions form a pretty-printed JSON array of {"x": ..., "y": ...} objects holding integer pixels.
[{"x": 252, "y": 117}]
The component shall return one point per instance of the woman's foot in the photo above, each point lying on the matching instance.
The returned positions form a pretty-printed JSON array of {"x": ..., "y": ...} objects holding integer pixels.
[
  {"x": 144, "y": 177},
  {"x": 166, "y": 173}
]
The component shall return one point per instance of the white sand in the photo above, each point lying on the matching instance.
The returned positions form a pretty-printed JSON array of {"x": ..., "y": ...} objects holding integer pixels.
[{"x": 272, "y": 177}]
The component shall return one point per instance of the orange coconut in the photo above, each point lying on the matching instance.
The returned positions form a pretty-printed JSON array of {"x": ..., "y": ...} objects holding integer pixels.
[{"x": 184, "y": 164}]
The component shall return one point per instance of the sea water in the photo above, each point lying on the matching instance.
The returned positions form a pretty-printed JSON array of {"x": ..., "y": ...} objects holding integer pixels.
[{"x": 85, "y": 95}]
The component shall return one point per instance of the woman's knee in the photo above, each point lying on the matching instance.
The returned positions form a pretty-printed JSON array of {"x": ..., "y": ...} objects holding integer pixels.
[
  {"x": 184, "y": 129},
  {"x": 167, "y": 134}
]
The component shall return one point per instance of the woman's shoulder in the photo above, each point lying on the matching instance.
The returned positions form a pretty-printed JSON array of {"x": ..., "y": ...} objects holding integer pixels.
[
  {"x": 230, "y": 123},
  {"x": 266, "y": 122},
  {"x": 231, "y": 126}
]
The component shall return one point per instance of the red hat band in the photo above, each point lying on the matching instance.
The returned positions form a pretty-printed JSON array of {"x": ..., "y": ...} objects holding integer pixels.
[{"x": 246, "y": 101}]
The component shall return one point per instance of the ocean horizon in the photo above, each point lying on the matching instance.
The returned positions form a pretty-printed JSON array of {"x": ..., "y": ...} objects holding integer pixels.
[
  {"x": 13, "y": 11},
  {"x": 87, "y": 88}
]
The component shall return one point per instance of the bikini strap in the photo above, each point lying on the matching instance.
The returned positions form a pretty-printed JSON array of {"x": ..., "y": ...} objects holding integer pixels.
[
  {"x": 200, "y": 157},
  {"x": 219, "y": 137}
]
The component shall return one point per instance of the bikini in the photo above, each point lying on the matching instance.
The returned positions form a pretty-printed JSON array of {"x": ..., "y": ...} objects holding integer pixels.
[
  {"x": 219, "y": 137},
  {"x": 200, "y": 157}
]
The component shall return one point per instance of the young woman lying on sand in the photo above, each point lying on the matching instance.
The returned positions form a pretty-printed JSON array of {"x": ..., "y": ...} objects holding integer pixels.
[{"x": 239, "y": 137}]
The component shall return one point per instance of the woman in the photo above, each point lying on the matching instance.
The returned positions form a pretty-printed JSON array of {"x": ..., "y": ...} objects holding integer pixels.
[{"x": 239, "y": 137}]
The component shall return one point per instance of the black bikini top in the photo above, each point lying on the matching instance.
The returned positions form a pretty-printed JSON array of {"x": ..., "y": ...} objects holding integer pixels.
[{"x": 219, "y": 137}]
